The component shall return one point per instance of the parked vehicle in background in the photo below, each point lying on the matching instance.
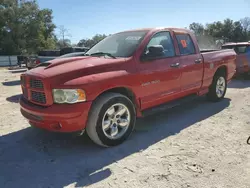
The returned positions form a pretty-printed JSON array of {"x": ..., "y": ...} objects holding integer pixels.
[
  {"x": 47, "y": 55},
  {"x": 75, "y": 54},
  {"x": 242, "y": 50},
  {"x": 68, "y": 50},
  {"x": 21, "y": 59},
  {"x": 43, "y": 56},
  {"x": 31, "y": 61},
  {"x": 127, "y": 75}
]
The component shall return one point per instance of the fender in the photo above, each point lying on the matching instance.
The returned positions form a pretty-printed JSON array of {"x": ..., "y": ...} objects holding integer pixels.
[
  {"x": 93, "y": 78},
  {"x": 95, "y": 84}
]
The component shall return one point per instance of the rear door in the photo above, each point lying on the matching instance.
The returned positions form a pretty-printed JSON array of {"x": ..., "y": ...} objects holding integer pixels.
[
  {"x": 191, "y": 64},
  {"x": 160, "y": 76}
]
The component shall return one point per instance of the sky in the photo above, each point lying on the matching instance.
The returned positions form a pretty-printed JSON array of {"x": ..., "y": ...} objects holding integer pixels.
[{"x": 85, "y": 18}]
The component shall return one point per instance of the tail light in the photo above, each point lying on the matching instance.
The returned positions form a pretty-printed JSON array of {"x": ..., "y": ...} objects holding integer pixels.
[{"x": 38, "y": 61}]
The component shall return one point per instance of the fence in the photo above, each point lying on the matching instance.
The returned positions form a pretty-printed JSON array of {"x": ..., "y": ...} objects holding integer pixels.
[{"x": 8, "y": 61}]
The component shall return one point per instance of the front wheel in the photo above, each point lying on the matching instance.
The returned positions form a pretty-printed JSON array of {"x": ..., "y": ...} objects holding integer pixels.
[
  {"x": 111, "y": 119},
  {"x": 218, "y": 88}
]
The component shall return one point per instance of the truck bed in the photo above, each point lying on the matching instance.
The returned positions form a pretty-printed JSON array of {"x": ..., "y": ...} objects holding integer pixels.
[
  {"x": 215, "y": 58},
  {"x": 217, "y": 55}
]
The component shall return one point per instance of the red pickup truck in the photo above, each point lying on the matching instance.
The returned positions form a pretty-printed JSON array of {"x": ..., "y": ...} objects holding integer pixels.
[
  {"x": 242, "y": 50},
  {"x": 125, "y": 76}
]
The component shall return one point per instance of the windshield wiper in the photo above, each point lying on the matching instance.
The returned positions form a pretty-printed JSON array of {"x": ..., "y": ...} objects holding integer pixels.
[{"x": 102, "y": 53}]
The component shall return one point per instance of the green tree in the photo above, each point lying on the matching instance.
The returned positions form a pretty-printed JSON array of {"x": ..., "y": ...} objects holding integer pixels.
[
  {"x": 63, "y": 33},
  {"x": 235, "y": 31},
  {"x": 219, "y": 32},
  {"x": 215, "y": 29},
  {"x": 63, "y": 43},
  {"x": 197, "y": 28},
  {"x": 24, "y": 28},
  {"x": 91, "y": 42},
  {"x": 238, "y": 33},
  {"x": 245, "y": 22}
]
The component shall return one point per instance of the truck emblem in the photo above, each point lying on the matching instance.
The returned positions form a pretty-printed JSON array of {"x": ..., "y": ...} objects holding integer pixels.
[{"x": 151, "y": 82}]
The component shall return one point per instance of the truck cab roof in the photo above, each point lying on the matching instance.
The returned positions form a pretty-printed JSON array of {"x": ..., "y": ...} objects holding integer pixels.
[{"x": 179, "y": 30}]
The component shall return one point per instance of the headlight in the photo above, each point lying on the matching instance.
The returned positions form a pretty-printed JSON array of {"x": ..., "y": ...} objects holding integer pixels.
[{"x": 68, "y": 95}]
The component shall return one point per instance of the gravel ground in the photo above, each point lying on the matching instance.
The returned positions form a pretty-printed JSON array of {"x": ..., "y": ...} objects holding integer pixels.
[{"x": 196, "y": 145}]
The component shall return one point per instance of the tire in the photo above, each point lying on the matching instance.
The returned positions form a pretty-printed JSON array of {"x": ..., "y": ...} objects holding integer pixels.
[
  {"x": 212, "y": 95},
  {"x": 106, "y": 107}
]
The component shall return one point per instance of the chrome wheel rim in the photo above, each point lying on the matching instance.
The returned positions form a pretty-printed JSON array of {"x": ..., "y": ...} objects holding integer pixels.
[
  {"x": 220, "y": 87},
  {"x": 116, "y": 121}
]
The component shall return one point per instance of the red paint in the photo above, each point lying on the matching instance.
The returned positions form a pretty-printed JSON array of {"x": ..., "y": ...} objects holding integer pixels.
[
  {"x": 38, "y": 61},
  {"x": 70, "y": 117},
  {"x": 96, "y": 75},
  {"x": 242, "y": 58}
]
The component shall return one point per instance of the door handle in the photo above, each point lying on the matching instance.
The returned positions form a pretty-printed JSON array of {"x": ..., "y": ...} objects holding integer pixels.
[
  {"x": 197, "y": 61},
  {"x": 174, "y": 65}
]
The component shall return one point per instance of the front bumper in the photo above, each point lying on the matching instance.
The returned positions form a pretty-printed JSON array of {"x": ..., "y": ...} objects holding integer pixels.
[{"x": 57, "y": 117}]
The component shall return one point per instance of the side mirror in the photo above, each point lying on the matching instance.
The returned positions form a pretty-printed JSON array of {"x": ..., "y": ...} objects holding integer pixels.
[{"x": 154, "y": 52}]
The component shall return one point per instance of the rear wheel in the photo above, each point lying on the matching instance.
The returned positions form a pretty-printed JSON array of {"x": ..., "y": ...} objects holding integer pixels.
[
  {"x": 111, "y": 119},
  {"x": 218, "y": 88}
]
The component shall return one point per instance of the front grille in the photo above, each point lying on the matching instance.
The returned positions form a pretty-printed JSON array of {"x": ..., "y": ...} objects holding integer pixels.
[
  {"x": 27, "y": 102},
  {"x": 37, "y": 84},
  {"x": 33, "y": 90},
  {"x": 25, "y": 92},
  {"x": 38, "y": 97}
]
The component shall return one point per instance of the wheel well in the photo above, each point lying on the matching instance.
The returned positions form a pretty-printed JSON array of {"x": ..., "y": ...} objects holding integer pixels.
[
  {"x": 124, "y": 91},
  {"x": 222, "y": 70}
]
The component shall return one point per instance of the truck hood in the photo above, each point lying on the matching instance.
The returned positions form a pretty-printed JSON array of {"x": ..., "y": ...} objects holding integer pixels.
[{"x": 76, "y": 66}]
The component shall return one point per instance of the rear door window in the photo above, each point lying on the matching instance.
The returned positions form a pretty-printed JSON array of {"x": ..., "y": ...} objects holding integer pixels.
[{"x": 185, "y": 44}]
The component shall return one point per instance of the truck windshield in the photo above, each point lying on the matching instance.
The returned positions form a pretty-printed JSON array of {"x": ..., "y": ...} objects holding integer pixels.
[{"x": 118, "y": 45}]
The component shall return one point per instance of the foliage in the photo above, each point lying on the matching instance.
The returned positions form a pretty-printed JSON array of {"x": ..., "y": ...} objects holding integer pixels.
[
  {"x": 63, "y": 42},
  {"x": 222, "y": 31},
  {"x": 197, "y": 28},
  {"x": 91, "y": 42},
  {"x": 24, "y": 28}
]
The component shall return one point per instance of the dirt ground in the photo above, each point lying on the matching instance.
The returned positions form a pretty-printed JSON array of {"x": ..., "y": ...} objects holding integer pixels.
[{"x": 197, "y": 145}]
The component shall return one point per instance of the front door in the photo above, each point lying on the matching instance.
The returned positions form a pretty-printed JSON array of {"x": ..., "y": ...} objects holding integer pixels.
[{"x": 159, "y": 76}]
